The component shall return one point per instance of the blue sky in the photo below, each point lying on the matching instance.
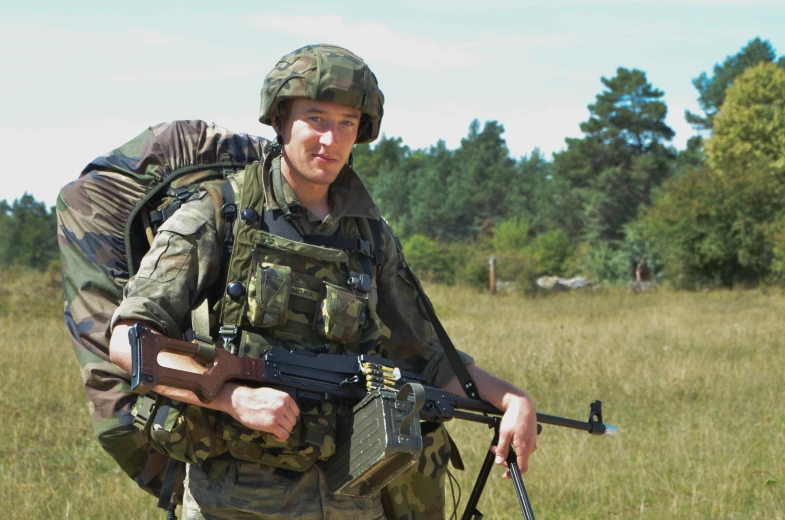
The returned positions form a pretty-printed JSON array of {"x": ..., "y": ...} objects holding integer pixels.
[{"x": 78, "y": 80}]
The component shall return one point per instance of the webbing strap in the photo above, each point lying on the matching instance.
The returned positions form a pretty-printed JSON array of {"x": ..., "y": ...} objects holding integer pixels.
[
  {"x": 229, "y": 214},
  {"x": 200, "y": 314},
  {"x": 174, "y": 471},
  {"x": 159, "y": 216},
  {"x": 376, "y": 233},
  {"x": 200, "y": 332},
  {"x": 275, "y": 223},
  {"x": 200, "y": 318},
  {"x": 467, "y": 383},
  {"x": 228, "y": 192},
  {"x": 350, "y": 244}
]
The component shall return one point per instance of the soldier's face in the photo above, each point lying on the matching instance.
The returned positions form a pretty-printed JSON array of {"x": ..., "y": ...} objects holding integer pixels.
[{"x": 317, "y": 139}]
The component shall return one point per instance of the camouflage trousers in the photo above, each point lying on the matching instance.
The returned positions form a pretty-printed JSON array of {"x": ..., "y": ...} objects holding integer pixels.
[
  {"x": 236, "y": 490},
  {"x": 224, "y": 489},
  {"x": 418, "y": 493}
]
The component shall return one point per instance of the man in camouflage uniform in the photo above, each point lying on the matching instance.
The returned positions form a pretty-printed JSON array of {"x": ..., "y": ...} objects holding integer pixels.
[{"x": 320, "y": 100}]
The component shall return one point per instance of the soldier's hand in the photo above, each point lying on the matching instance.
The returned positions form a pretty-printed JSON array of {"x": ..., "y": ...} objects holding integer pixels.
[
  {"x": 265, "y": 409},
  {"x": 518, "y": 429}
]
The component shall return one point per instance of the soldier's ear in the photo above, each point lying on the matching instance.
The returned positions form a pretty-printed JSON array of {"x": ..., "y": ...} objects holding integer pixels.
[{"x": 279, "y": 116}]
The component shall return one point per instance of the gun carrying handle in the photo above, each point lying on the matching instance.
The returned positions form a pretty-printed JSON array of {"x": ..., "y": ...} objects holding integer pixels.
[{"x": 419, "y": 401}]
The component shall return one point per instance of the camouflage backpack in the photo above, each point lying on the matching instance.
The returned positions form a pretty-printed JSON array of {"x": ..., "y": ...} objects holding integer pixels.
[{"x": 106, "y": 219}]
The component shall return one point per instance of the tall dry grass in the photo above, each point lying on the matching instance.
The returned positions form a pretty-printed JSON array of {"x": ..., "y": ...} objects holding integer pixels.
[
  {"x": 51, "y": 466},
  {"x": 693, "y": 380}
]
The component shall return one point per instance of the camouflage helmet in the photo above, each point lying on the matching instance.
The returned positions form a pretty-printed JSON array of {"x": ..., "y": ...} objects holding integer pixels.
[{"x": 326, "y": 73}]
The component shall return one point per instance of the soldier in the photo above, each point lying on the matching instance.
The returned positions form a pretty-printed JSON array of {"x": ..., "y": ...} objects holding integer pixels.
[{"x": 352, "y": 295}]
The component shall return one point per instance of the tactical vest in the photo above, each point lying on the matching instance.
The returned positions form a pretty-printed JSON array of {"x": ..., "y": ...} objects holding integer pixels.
[{"x": 284, "y": 289}]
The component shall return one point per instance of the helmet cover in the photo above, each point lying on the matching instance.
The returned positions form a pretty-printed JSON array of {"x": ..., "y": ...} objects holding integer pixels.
[{"x": 326, "y": 73}]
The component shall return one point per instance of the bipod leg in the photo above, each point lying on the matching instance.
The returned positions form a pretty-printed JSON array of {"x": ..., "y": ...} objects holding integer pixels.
[
  {"x": 471, "y": 512},
  {"x": 520, "y": 489}
]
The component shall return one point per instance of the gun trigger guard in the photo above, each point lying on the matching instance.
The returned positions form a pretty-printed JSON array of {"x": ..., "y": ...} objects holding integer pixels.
[{"x": 419, "y": 401}]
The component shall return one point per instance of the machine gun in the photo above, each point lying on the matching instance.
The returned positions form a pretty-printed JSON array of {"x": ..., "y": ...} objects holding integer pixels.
[{"x": 382, "y": 436}]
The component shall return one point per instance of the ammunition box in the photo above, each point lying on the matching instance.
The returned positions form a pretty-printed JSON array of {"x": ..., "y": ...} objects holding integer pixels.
[{"x": 378, "y": 442}]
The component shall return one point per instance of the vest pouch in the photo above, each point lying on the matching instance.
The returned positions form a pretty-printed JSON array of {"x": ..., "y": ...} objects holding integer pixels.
[
  {"x": 340, "y": 314},
  {"x": 268, "y": 297},
  {"x": 179, "y": 430},
  {"x": 319, "y": 428},
  {"x": 312, "y": 438}
]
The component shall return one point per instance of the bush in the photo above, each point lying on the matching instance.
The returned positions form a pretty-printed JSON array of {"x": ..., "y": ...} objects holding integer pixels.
[
  {"x": 511, "y": 234},
  {"x": 473, "y": 270},
  {"x": 605, "y": 262},
  {"x": 550, "y": 253},
  {"x": 429, "y": 259}
]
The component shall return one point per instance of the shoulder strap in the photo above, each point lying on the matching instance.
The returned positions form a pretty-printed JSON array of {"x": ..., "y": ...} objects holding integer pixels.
[
  {"x": 376, "y": 234},
  {"x": 467, "y": 383},
  {"x": 274, "y": 222},
  {"x": 228, "y": 214},
  {"x": 225, "y": 214}
]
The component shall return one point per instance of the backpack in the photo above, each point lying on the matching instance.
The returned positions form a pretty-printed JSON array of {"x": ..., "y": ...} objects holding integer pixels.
[{"x": 106, "y": 219}]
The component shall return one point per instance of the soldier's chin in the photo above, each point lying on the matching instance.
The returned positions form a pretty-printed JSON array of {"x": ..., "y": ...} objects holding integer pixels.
[{"x": 322, "y": 176}]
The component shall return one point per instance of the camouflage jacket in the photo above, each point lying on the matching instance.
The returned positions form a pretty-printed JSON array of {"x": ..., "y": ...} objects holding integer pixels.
[{"x": 185, "y": 261}]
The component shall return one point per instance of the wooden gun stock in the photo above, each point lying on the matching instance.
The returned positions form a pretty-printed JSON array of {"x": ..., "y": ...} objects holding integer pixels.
[{"x": 148, "y": 373}]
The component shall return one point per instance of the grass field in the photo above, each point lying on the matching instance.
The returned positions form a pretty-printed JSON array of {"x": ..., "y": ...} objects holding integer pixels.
[{"x": 694, "y": 381}]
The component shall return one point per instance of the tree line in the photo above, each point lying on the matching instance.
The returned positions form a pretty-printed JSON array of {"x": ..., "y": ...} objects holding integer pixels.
[
  {"x": 28, "y": 234},
  {"x": 711, "y": 214}
]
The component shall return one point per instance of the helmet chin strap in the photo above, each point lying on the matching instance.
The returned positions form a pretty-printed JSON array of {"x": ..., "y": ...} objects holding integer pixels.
[{"x": 278, "y": 125}]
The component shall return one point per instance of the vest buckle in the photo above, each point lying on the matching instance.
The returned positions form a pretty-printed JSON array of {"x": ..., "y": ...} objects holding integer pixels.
[{"x": 360, "y": 282}]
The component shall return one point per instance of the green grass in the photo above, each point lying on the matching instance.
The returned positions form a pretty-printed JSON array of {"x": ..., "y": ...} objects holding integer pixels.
[{"x": 694, "y": 381}]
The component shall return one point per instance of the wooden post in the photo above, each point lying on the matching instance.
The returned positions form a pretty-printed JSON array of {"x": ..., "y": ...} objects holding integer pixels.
[{"x": 492, "y": 277}]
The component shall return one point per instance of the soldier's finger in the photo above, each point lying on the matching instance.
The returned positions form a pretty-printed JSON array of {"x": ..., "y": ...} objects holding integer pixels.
[
  {"x": 279, "y": 433},
  {"x": 503, "y": 446},
  {"x": 291, "y": 404},
  {"x": 286, "y": 422},
  {"x": 523, "y": 461},
  {"x": 494, "y": 450}
]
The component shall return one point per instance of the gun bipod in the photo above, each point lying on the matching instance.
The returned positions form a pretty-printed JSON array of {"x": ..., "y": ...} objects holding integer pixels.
[{"x": 471, "y": 512}]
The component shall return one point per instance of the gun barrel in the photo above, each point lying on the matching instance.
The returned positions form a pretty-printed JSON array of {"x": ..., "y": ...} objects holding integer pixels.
[
  {"x": 611, "y": 430},
  {"x": 593, "y": 427},
  {"x": 474, "y": 405}
]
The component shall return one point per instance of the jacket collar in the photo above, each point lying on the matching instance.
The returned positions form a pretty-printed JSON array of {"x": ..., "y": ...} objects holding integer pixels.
[{"x": 348, "y": 195}]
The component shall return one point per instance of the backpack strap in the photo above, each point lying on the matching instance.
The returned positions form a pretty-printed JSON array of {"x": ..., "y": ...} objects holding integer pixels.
[
  {"x": 225, "y": 214},
  {"x": 159, "y": 216},
  {"x": 200, "y": 332}
]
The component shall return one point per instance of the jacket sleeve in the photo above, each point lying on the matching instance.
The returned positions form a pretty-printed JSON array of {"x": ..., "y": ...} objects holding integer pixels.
[
  {"x": 183, "y": 261},
  {"x": 413, "y": 343}
]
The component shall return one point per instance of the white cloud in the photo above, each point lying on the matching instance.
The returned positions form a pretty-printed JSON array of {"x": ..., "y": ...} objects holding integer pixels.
[
  {"x": 153, "y": 38},
  {"x": 379, "y": 43},
  {"x": 183, "y": 74}
]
